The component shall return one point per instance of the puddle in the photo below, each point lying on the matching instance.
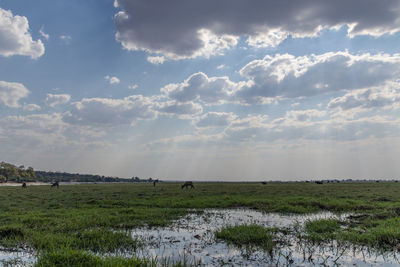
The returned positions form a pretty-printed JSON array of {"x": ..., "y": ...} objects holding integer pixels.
[
  {"x": 20, "y": 258},
  {"x": 191, "y": 239}
]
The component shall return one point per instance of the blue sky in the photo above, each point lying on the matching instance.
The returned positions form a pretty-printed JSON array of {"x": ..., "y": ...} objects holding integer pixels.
[{"x": 202, "y": 89}]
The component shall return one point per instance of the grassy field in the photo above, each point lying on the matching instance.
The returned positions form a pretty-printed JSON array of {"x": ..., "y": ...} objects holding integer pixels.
[{"x": 75, "y": 224}]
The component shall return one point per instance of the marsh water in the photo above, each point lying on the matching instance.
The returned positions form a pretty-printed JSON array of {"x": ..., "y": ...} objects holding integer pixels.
[
  {"x": 191, "y": 240},
  {"x": 18, "y": 257}
]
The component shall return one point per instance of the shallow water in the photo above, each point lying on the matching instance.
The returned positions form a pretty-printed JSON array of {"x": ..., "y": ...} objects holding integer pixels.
[
  {"x": 17, "y": 258},
  {"x": 191, "y": 239}
]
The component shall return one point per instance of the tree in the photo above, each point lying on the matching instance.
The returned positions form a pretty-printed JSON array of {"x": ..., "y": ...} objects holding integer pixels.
[
  {"x": 8, "y": 170},
  {"x": 30, "y": 172}
]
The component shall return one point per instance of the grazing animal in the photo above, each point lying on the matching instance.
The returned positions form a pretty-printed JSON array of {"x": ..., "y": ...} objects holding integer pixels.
[
  {"x": 264, "y": 182},
  {"x": 24, "y": 185},
  {"x": 55, "y": 184},
  {"x": 318, "y": 182},
  {"x": 154, "y": 182},
  {"x": 187, "y": 184}
]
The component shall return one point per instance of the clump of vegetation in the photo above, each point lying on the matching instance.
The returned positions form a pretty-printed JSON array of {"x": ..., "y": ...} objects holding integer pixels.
[
  {"x": 249, "y": 236},
  {"x": 383, "y": 233},
  {"x": 105, "y": 241},
  {"x": 78, "y": 258},
  {"x": 322, "y": 229},
  {"x": 11, "y": 235}
]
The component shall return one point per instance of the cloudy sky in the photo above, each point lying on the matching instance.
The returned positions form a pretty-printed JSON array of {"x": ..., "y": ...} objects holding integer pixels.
[{"x": 210, "y": 90}]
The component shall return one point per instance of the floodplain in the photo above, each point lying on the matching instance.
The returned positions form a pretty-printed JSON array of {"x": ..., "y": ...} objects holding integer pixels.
[{"x": 136, "y": 224}]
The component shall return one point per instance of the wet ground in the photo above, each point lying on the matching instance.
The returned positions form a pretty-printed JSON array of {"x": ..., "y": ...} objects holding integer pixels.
[
  {"x": 18, "y": 257},
  {"x": 191, "y": 239}
]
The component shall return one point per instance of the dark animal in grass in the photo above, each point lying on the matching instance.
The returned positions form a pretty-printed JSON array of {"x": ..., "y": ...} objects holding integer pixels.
[
  {"x": 318, "y": 182},
  {"x": 154, "y": 182},
  {"x": 187, "y": 184},
  {"x": 24, "y": 185},
  {"x": 264, "y": 182},
  {"x": 55, "y": 184}
]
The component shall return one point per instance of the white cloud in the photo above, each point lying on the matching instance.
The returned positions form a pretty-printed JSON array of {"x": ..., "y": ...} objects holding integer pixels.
[
  {"x": 31, "y": 107},
  {"x": 33, "y": 130},
  {"x": 43, "y": 34},
  {"x": 287, "y": 76},
  {"x": 199, "y": 87},
  {"x": 15, "y": 38},
  {"x": 220, "y": 67},
  {"x": 52, "y": 99},
  {"x": 133, "y": 86},
  {"x": 196, "y": 28},
  {"x": 215, "y": 119},
  {"x": 45, "y": 134},
  {"x": 110, "y": 112},
  {"x": 112, "y": 79},
  {"x": 66, "y": 39},
  {"x": 11, "y": 93},
  {"x": 157, "y": 60},
  {"x": 387, "y": 96},
  {"x": 269, "y": 37},
  {"x": 183, "y": 110}
]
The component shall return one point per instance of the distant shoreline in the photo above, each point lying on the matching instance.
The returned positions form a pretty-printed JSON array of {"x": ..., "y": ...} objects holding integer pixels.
[{"x": 20, "y": 184}]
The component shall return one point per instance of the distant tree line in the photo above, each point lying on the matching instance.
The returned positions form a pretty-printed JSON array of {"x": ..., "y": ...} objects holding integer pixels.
[
  {"x": 44, "y": 176},
  {"x": 10, "y": 172}
]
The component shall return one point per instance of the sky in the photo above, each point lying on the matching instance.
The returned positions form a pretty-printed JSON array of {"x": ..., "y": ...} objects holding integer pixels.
[{"x": 202, "y": 90}]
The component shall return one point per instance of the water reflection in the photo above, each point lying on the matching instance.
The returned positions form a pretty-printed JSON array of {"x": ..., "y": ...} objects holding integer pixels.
[
  {"x": 191, "y": 239},
  {"x": 20, "y": 258}
]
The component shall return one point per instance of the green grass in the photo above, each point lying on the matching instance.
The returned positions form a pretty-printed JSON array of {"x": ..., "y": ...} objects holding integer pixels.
[
  {"x": 322, "y": 230},
  {"x": 77, "y": 258},
  {"x": 97, "y": 218},
  {"x": 248, "y": 236}
]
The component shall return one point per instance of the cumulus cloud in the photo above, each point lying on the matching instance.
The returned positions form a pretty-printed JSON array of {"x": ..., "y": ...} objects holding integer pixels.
[
  {"x": 33, "y": 130},
  {"x": 15, "y": 38},
  {"x": 43, "y": 133},
  {"x": 110, "y": 112},
  {"x": 378, "y": 97},
  {"x": 182, "y": 29},
  {"x": 157, "y": 60},
  {"x": 133, "y": 86},
  {"x": 199, "y": 86},
  {"x": 287, "y": 76},
  {"x": 312, "y": 125},
  {"x": 215, "y": 119},
  {"x": 329, "y": 129},
  {"x": 112, "y": 79},
  {"x": 261, "y": 131},
  {"x": 183, "y": 110},
  {"x": 31, "y": 107},
  {"x": 53, "y": 100},
  {"x": 11, "y": 93},
  {"x": 300, "y": 117}
]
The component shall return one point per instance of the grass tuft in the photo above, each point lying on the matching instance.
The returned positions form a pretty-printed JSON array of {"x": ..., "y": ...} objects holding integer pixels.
[{"x": 248, "y": 236}]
